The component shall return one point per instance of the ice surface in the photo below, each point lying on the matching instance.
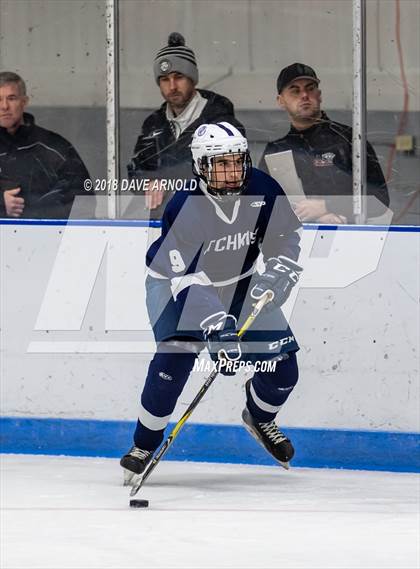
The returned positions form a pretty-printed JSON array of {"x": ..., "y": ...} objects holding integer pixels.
[{"x": 66, "y": 512}]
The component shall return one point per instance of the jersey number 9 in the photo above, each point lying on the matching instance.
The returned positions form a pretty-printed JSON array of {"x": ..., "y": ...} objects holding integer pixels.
[{"x": 177, "y": 263}]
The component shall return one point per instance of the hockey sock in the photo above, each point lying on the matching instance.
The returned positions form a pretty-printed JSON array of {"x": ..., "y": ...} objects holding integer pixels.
[
  {"x": 268, "y": 391},
  {"x": 166, "y": 377}
]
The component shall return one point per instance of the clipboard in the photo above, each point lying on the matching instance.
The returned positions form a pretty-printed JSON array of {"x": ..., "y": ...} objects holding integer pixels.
[{"x": 281, "y": 167}]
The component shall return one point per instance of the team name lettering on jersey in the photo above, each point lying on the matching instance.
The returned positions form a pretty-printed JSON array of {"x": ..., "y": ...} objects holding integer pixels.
[{"x": 232, "y": 242}]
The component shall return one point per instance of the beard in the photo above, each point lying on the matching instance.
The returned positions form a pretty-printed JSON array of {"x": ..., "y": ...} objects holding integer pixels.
[
  {"x": 307, "y": 113},
  {"x": 179, "y": 100}
]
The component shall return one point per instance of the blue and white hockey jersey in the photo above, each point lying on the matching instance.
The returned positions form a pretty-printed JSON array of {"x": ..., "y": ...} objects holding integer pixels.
[{"x": 206, "y": 247}]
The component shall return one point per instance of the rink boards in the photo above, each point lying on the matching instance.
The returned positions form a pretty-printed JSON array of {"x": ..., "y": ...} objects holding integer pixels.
[{"x": 76, "y": 344}]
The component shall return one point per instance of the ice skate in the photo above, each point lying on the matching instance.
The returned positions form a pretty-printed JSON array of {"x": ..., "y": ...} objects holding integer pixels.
[
  {"x": 134, "y": 463},
  {"x": 269, "y": 436}
]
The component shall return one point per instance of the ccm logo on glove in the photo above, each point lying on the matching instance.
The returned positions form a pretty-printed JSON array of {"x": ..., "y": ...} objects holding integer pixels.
[{"x": 280, "y": 276}]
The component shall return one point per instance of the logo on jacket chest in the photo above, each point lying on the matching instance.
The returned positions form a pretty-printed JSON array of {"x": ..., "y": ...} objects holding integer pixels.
[
  {"x": 232, "y": 242},
  {"x": 326, "y": 159}
]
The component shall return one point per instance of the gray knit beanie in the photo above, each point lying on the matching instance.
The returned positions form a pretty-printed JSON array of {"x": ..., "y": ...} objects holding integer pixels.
[{"x": 176, "y": 56}]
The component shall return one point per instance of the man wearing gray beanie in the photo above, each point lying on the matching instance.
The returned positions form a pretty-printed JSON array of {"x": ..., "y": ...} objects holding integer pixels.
[
  {"x": 176, "y": 57},
  {"x": 162, "y": 150}
]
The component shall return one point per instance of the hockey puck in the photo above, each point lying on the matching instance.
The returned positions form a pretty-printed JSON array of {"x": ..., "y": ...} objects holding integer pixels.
[{"x": 139, "y": 503}]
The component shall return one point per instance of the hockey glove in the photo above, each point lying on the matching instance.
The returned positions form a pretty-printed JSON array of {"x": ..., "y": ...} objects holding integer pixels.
[
  {"x": 223, "y": 342},
  {"x": 280, "y": 276}
]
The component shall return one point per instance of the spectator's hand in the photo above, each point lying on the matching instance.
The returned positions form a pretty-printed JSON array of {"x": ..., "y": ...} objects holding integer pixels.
[
  {"x": 14, "y": 205},
  {"x": 310, "y": 210},
  {"x": 154, "y": 197},
  {"x": 333, "y": 218}
]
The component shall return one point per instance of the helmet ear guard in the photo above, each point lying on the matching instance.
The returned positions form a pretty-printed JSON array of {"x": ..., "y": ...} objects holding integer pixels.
[{"x": 198, "y": 165}]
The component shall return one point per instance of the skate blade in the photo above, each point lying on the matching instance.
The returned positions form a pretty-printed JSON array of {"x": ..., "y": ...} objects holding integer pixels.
[
  {"x": 285, "y": 465},
  {"x": 130, "y": 478}
]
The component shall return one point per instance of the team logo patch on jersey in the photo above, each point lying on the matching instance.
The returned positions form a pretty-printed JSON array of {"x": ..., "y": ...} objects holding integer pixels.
[
  {"x": 165, "y": 376},
  {"x": 165, "y": 66},
  {"x": 326, "y": 159},
  {"x": 257, "y": 204}
]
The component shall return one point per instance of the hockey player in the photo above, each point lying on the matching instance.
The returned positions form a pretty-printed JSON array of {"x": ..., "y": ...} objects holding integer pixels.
[{"x": 202, "y": 283}]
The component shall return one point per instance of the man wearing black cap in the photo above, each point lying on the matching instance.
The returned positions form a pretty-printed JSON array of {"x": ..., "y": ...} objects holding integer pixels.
[
  {"x": 162, "y": 150},
  {"x": 322, "y": 152}
]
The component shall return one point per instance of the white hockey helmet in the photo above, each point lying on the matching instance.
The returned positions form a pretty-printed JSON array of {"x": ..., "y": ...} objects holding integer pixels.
[{"x": 218, "y": 139}]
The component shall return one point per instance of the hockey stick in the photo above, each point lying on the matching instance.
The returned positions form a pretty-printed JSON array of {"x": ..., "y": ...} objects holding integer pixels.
[{"x": 267, "y": 297}]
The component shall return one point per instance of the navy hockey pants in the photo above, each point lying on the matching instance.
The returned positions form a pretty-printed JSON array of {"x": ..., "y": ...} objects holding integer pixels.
[{"x": 166, "y": 378}]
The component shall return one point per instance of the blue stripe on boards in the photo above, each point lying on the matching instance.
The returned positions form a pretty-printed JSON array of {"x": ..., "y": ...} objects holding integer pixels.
[
  {"x": 158, "y": 223},
  {"x": 85, "y": 222},
  {"x": 318, "y": 448}
]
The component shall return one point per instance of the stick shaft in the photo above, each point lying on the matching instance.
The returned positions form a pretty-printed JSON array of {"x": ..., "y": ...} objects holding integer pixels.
[{"x": 163, "y": 449}]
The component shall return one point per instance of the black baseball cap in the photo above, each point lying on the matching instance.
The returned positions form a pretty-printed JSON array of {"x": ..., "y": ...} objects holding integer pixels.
[{"x": 295, "y": 71}]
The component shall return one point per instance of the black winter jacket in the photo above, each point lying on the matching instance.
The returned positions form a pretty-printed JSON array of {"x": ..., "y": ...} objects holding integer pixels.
[
  {"x": 48, "y": 170},
  {"x": 323, "y": 160},
  {"x": 159, "y": 155}
]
